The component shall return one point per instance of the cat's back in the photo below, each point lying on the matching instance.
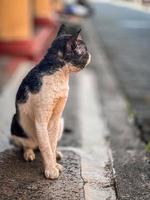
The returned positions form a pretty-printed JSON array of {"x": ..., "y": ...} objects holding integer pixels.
[{"x": 30, "y": 84}]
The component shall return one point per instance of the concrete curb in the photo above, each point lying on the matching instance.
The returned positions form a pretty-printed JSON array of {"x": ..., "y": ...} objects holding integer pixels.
[{"x": 25, "y": 180}]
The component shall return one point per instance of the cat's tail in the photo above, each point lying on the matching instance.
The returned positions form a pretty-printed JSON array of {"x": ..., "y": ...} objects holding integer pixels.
[
  {"x": 19, "y": 138},
  {"x": 16, "y": 128}
]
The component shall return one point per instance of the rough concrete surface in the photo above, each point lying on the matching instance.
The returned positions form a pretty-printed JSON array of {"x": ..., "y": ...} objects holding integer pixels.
[{"x": 20, "y": 180}]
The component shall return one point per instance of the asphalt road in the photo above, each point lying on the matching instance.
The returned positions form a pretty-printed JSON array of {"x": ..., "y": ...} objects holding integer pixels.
[{"x": 124, "y": 34}]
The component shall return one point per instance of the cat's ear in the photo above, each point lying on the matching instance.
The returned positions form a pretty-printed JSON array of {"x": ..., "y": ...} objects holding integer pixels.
[
  {"x": 77, "y": 35},
  {"x": 71, "y": 44},
  {"x": 62, "y": 30}
]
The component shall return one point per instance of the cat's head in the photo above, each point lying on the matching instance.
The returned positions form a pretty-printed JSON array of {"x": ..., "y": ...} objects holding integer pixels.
[{"x": 72, "y": 49}]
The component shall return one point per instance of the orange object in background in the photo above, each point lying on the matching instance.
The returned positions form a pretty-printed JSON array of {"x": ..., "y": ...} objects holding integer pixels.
[
  {"x": 16, "y": 23},
  {"x": 45, "y": 8},
  {"x": 43, "y": 12},
  {"x": 19, "y": 35},
  {"x": 42, "y": 8},
  {"x": 58, "y": 5}
]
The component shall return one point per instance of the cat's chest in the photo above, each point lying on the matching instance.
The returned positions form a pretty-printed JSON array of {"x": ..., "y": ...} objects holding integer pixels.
[
  {"x": 55, "y": 85},
  {"x": 53, "y": 88}
]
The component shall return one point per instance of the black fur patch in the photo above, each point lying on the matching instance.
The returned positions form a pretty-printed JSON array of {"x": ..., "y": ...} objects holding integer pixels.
[
  {"x": 33, "y": 81},
  {"x": 16, "y": 129}
]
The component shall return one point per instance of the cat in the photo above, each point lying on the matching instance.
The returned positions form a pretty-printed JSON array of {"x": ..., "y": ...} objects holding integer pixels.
[{"x": 41, "y": 98}]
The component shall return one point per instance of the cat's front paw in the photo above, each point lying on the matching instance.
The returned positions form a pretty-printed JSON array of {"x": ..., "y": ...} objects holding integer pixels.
[
  {"x": 52, "y": 173},
  {"x": 29, "y": 155}
]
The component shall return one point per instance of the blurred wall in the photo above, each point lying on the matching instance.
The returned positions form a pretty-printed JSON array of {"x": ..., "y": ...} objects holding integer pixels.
[{"x": 17, "y": 17}]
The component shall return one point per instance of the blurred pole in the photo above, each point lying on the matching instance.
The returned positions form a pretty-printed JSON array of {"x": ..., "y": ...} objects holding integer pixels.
[
  {"x": 43, "y": 8},
  {"x": 16, "y": 23},
  {"x": 59, "y": 5}
]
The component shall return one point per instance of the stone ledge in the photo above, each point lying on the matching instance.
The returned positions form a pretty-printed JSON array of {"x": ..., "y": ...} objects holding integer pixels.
[{"x": 25, "y": 180}]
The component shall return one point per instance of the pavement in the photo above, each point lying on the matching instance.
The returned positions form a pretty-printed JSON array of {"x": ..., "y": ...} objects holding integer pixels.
[{"x": 104, "y": 157}]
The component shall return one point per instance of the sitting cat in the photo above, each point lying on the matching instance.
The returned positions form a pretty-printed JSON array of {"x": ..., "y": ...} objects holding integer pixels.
[{"x": 41, "y": 99}]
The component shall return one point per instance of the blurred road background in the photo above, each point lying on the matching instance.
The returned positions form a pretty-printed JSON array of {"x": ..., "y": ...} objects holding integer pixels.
[
  {"x": 124, "y": 35},
  {"x": 107, "y": 117}
]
